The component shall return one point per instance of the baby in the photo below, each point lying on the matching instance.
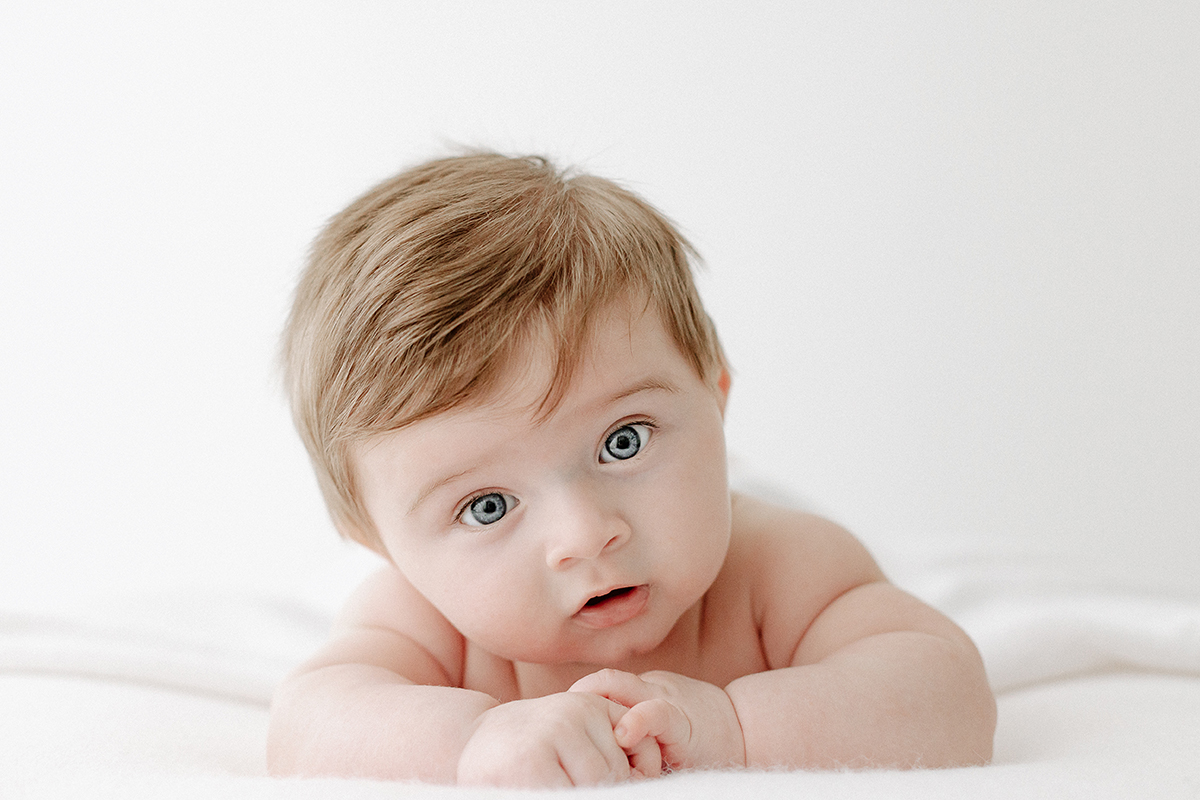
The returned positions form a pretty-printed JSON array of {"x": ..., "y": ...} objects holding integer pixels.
[{"x": 510, "y": 391}]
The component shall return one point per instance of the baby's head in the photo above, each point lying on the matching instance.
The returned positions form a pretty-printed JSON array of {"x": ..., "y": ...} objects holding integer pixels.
[{"x": 421, "y": 295}]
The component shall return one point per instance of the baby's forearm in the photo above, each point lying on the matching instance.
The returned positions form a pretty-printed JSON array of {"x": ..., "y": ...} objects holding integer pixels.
[
  {"x": 900, "y": 699},
  {"x": 360, "y": 720}
]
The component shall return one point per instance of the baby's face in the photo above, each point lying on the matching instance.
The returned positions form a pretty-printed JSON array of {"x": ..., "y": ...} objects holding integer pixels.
[{"x": 579, "y": 538}]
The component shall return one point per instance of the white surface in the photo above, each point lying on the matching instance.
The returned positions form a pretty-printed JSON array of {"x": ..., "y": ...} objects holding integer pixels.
[
  {"x": 952, "y": 250},
  {"x": 1116, "y": 736},
  {"x": 1099, "y": 697}
]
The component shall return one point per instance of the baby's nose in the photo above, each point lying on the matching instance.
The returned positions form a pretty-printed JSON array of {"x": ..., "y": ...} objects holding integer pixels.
[{"x": 584, "y": 530}]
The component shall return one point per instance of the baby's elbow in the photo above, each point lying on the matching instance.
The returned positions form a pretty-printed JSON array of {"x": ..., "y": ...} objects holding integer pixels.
[
  {"x": 281, "y": 761},
  {"x": 949, "y": 718},
  {"x": 970, "y": 729},
  {"x": 294, "y": 743},
  {"x": 282, "y": 739},
  {"x": 982, "y": 732},
  {"x": 971, "y": 742}
]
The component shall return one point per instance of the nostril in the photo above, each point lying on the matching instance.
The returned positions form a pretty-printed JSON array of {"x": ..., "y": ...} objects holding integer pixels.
[{"x": 592, "y": 535}]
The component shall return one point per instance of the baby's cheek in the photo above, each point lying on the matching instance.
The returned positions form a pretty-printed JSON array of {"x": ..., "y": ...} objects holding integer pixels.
[{"x": 499, "y": 613}]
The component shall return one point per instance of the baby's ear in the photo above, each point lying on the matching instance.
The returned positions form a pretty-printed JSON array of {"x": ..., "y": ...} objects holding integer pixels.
[{"x": 723, "y": 384}]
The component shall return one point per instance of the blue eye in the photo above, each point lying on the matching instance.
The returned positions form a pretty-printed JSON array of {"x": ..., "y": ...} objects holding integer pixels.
[
  {"x": 487, "y": 509},
  {"x": 624, "y": 443}
]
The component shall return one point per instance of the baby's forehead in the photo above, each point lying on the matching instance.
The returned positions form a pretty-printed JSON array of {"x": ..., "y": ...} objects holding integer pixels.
[
  {"x": 546, "y": 371},
  {"x": 545, "y": 367},
  {"x": 548, "y": 359}
]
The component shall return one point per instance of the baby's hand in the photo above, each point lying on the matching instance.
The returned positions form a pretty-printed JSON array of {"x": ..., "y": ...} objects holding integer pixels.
[
  {"x": 563, "y": 739},
  {"x": 693, "y": 722}
]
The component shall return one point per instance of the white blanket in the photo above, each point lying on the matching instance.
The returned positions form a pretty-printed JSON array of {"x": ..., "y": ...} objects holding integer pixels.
[{"x": 1099, "y": 696}]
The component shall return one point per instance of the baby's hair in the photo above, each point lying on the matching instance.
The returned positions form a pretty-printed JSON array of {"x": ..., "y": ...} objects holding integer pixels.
[{"x": 418, "y": 295}]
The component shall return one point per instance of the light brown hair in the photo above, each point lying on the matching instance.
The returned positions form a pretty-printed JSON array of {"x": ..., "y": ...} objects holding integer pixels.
[{"x": 416, "y": 296}]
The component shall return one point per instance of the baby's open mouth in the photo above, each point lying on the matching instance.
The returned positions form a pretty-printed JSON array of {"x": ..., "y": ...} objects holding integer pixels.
[
  {"x": 615, "y": 607},
  {"x": 613, "y": 595}
]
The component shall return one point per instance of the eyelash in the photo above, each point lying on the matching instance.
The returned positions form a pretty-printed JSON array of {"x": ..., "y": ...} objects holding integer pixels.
[
  {"x": 466, "y": 506},
  {"x": 625, "y": 424},
  {"x": 470, "y": 501}
]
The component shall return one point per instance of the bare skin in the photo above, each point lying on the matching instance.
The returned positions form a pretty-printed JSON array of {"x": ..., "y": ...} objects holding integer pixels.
[{"x": 579, "y": 600}]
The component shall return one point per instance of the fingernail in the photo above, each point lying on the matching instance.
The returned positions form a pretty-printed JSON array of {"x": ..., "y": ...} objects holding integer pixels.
[{"x": 620, "y": 732}]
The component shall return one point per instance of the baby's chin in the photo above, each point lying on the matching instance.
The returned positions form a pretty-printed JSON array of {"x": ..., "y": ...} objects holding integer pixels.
[{"x": 600, "y": 650}]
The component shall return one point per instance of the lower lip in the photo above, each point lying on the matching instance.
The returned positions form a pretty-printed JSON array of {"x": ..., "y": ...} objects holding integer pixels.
[{"x": 615, "y": 611}]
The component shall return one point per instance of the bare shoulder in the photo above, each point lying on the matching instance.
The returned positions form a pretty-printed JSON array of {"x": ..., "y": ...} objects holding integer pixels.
[
  {"x": 798, "y": 564},
  {"x": 817, "y": 589},
  {"x": 798, "y": 547},
  {"x": 387, "y": 623}
]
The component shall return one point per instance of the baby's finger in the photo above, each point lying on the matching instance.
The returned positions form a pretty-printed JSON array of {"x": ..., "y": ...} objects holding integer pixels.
[
  {"x": 620, "y": 687},
  {"x": 606, "y": 761},
  {"x": 590, "y": 765},
  {"x": 657, "y": 719},
  {"x": 645, "y": 757},
  {"x": 541, "y": 770}
]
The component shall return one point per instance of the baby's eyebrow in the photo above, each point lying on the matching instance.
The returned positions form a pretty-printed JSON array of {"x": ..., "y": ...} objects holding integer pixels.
[
  {"x": 430, "y": 488},
  {"x": 646, "y": 385}
]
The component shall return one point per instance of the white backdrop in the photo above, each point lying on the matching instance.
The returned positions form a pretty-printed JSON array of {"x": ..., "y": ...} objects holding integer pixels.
[{"x": 953, "y": 250}]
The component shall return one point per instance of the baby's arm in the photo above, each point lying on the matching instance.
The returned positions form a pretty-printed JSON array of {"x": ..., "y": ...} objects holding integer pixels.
[
  {"x": 381, "y": 700},
  {"x": 863, "y": 675},
  {"x": 880, "y": 680},
  {"x": 872, "y": 677}
]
